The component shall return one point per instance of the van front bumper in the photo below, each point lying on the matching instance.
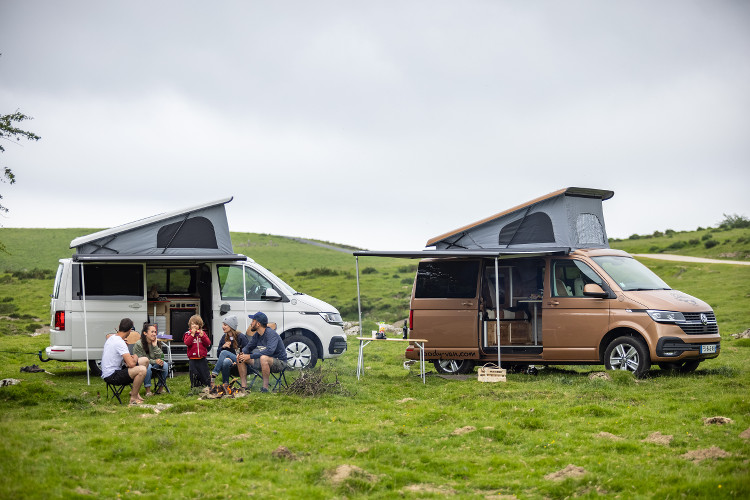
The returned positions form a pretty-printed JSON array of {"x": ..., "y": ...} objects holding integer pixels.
[
  {"x": 337, "y": 345},
  {"x": 675, "y": 348}
]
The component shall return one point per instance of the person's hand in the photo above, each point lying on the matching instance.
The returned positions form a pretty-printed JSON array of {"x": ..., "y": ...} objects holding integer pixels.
[
  {"x": 227, "y": 344},
  {"x": 160, "y": 362}
]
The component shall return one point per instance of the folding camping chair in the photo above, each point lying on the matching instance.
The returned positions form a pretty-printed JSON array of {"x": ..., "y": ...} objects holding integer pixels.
[
  {"x": 278, "y": 379},
  {"x": 116, "y": 390}
]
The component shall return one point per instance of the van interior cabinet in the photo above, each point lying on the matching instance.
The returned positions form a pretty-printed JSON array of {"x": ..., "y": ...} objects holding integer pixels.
[{"x": 514, "y": 332}]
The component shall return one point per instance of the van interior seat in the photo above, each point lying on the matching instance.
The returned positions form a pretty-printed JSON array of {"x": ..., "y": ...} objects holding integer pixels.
[{"x": 561, "y": 290}]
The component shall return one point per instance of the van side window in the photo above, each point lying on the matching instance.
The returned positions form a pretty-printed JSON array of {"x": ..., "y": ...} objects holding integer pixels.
[
  {"x": 172, "y": 281},
  {"x": 230, "y": 283},
  {"x": 58, "y": 279},
  {"x": 447, "y": 280},
  {"x": 109, "y": 281},
  {"x": 256, "y": 284},
  {"x": 570, "y": 276}
]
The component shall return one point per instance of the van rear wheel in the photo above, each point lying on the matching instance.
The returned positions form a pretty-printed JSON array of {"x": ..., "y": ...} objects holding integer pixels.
[
  {"x": 95, "y": 367},
  {"x": 453, "y": 366},
  {"x": 627, "y": 353}
]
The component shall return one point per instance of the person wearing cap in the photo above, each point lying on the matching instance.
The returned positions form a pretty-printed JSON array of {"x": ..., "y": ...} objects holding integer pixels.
[
  {"x": 230, "y": 344},
  {"x": 265, "y": 351},
  {"x": 116, "y": 354}
]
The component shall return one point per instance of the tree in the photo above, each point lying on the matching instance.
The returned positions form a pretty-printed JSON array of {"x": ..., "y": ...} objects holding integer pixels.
[{"x": 10, "y": 132}]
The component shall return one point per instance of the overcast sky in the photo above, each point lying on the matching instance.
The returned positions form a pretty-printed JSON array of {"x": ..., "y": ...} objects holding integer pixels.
[{"x": 376, "y": 124}]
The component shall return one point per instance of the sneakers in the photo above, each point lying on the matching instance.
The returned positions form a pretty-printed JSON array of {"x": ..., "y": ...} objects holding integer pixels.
[{"x": 264, "y": 389}]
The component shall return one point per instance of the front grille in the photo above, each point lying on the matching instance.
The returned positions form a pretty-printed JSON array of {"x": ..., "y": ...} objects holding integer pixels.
[{"x": 694, "y": 326}]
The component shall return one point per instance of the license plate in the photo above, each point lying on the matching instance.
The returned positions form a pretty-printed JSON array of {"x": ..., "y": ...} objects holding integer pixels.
[{"x": 708, "y": 349}]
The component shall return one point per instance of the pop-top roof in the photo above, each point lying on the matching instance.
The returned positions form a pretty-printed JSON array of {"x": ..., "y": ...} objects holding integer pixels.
[
  {"x": 198, "y": 232},
  {"x": 570, "y": 217}
]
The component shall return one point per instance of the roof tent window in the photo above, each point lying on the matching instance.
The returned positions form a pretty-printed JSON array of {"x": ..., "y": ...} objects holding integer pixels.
[
  {"x": 447, "y": 280},
  {"x": 534, "y": 228},
  {"x": 589, "y": 230},
  {"x": 197, "y": 232}
]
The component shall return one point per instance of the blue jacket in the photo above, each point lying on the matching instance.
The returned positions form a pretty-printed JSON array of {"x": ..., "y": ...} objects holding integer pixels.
[
  {"x": 268, "y": 344},
  {"x": 241, "y": 342}
]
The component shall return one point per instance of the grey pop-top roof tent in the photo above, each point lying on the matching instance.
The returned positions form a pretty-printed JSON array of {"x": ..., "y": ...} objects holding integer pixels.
[
  {"x": 199, "y": 232},
  {"x": 566, "y": 219}
]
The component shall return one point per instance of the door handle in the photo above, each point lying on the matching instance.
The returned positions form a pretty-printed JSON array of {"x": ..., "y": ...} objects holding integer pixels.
[
  {"x": 553, "y": 303},
  {"x": 467, "y": 304}
]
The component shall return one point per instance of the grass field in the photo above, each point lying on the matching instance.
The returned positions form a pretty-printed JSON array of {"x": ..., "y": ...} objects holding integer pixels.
[{"x": 555, "y": 435}]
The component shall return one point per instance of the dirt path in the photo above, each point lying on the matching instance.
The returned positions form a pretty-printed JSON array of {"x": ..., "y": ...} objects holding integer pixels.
[{"x": 685, "y": 258}]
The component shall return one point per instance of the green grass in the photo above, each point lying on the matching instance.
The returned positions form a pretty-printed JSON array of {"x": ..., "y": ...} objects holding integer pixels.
[
  {"x": 715, "y": 243},
  {"x": 62, "y": 439}
]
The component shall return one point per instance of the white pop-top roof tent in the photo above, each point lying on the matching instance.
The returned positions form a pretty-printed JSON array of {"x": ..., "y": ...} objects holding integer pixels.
[
  {"x": 569, "y": 218},
  {"x": 200, "y": 231}
]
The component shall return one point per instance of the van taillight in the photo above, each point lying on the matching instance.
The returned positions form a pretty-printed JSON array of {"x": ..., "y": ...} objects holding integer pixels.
[
  {"x": 59, "y": 320},
  {"x": 411, "y": 319}
]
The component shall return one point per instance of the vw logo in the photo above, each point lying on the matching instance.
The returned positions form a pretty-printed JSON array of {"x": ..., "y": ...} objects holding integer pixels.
[{"x": 704, "y": 319}]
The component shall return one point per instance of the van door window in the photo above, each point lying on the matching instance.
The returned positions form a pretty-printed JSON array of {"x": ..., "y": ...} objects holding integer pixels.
[
  {"x": 109, "y": 281},
  {"x": 230, "y": 282},
  {"x": 447, "y": 280},
  {"x": 256, "y": 284},
  {"x": 570, "y": 276}
]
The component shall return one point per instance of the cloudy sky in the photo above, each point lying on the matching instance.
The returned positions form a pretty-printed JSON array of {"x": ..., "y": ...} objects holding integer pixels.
[{"x": 376, "y": 124}]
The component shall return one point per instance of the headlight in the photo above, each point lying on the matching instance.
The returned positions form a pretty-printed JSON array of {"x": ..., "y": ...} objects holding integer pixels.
[
  {"x": 333, "y": 318},
  {"x": 666, "y": 316}
]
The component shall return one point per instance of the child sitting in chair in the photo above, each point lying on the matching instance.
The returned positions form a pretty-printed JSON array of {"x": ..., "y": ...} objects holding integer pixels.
[{"x": 197, "y": 343}]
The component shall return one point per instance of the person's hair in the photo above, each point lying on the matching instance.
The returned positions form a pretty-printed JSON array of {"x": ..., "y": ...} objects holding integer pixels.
[
  {"x": 126, "y": 324},
  {"x": 144, "y": 340},
  {"x": 234, "y": 333},
  {"x": 195, "y": 319}
]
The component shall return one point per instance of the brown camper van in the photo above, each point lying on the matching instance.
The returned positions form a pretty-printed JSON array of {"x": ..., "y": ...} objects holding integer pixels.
[
  {"x": 596, "y": 306},
  {"x": 540, "y": 281}
]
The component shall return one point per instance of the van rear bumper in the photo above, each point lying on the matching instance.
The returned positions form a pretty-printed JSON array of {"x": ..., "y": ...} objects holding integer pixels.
[
  {"x": 674, "y": 347},
  {"x": 60, "y": 353}
]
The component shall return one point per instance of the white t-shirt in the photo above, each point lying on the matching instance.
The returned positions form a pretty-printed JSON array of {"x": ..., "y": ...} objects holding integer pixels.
[{"x": 112, "y": 360}]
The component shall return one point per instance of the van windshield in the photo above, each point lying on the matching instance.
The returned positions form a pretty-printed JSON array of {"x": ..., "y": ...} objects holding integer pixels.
[{"x": 630, "y": 274}]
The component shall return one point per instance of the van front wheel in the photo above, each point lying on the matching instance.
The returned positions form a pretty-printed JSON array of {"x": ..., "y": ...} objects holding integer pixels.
[
  {"x": 453, "y": 366},
  {"x": 627, "y": 353},
  {"x": 95, "y": 367},
  {"x": 300, "y": 352}
]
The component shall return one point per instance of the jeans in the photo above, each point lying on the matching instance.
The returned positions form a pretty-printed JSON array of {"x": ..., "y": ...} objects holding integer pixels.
[
  {"x": 224, "y": 363},
  {"x": 156, "y": 370}
]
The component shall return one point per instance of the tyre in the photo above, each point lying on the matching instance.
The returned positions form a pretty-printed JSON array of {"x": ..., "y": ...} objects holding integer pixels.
[
  {"x": 95, "y": 367},
  {"x": 688, "y": 366},
  {"x": 627, "y": 353},
  {"x": 453, "y": 366},
  {"x": 300, "y": 352}
]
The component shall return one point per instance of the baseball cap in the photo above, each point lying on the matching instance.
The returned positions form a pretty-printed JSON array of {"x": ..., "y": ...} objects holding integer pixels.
[{"x": 259, "y": 317}]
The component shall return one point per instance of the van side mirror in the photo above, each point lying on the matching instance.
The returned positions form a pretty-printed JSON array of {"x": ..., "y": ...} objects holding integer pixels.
[
  {"x": 272, "y": 295},
  {"x": 223, "y": 309},
  {"x": 594, "y": 290}
]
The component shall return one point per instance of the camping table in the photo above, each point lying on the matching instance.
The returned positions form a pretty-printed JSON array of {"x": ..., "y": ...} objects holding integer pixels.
[{"x": 363, "y": 341}]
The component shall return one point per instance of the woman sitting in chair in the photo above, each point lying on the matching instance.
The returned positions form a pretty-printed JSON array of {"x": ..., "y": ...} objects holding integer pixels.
[
  {"x": 230, "y": 344},
  {"x": 147, "y": 347}
]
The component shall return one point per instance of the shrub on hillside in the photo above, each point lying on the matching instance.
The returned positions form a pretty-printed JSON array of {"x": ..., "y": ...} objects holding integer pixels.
[
  {"x": 369, "y": 270},
  {"x": 734, "y": 221},
  {"x": 634, "y": 237},
  {"x": 694, "y": 242},
  {"x": 710, "y": 243},
  {"x": 707, "y": 236}
]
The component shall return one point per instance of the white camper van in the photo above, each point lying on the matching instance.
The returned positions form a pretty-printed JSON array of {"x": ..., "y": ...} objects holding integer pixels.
[{"x": 166, "y": 268}]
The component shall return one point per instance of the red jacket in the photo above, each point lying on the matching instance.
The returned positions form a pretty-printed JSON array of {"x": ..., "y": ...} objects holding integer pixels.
[{"x": 196, "y": 350}]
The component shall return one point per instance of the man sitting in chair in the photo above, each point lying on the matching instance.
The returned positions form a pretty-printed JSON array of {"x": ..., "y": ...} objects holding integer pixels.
[
  {"x": 116, "y": 354},
  {"x": 265, "y": 351}
]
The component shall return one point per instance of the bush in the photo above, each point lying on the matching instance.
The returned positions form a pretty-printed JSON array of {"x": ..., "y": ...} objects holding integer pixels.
[
  {"x": 670, "y": 232},
  {"x": 634, "y": 237},
  {"x": 34, "y": 274},
  {"x": 694, "y": 242},
  {"x": 319, "y": 271},
  {"x": 707, "y": 236},
  {"x": 711, "y": 243},
  {"x": 657, "y": 234},
  {"x": 677, "y": 245},
  {"x": 369, "y": 270},
  {"x": 734, "y": 222}
]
